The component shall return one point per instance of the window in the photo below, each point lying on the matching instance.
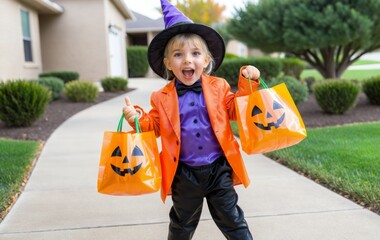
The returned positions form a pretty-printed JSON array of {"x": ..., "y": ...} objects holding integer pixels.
[{"x": 27, "y": 40}]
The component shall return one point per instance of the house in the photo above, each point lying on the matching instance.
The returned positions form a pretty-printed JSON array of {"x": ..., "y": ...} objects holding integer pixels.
[
  {"x": 87, "y": 36},
  {"x": 142, "y": 29}
]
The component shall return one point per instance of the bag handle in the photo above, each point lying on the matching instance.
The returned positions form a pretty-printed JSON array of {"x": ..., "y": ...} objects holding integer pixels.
[
  {"x": 262, "y": 82},
  {"x": 120, "y": 125}
]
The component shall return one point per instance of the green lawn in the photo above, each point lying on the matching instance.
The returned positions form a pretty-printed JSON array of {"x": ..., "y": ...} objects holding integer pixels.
[
  {"x": 365, "y": 62},
  {"x": 15, "y": 159},
  {"x": 345, "y": 158},
  {"x": 349, "y": 74}
]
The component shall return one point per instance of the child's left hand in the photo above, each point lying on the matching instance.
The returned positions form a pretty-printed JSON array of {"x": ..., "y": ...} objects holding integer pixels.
[{"x": 251, "y": 72}]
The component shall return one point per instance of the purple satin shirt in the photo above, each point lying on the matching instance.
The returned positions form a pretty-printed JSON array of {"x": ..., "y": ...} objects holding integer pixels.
[{"x": 199, "y": 145}]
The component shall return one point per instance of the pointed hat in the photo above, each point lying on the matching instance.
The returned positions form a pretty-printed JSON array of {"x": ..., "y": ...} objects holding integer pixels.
[{"x": 176, "y": 23}]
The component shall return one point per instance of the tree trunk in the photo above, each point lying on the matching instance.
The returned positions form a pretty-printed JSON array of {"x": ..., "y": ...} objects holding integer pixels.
[{"x": 329, "y": 62}]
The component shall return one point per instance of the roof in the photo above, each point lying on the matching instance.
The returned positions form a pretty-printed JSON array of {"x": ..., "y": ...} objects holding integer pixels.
[
  {"x": 50, "y": 7},
  {"x": 44, "y": 6},
  {"x": 124, "y": 10},
  {"x": 143, "y": 23}
]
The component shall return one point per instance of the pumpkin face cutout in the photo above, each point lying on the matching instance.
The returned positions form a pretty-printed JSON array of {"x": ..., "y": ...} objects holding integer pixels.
[
  {"x": 267, "y": 120},
  {"x": 123, "y": 171}
]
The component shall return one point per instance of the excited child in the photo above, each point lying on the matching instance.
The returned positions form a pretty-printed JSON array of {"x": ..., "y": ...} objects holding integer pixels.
[{"x": 200, "y": 157}]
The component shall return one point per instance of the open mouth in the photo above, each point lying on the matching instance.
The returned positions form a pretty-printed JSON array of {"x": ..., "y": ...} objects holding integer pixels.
[{"x": 188, "y": 73}]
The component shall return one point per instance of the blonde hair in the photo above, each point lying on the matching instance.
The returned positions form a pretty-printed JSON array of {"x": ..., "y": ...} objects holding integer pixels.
[{"x": 178, "y": 41}]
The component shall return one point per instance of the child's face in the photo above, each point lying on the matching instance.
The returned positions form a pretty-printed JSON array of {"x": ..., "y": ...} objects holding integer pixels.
[{"x": 187, "y": 61}]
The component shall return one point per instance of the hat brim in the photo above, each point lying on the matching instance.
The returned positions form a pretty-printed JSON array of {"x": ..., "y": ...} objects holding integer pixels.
[{"x": 156, "y": 48}]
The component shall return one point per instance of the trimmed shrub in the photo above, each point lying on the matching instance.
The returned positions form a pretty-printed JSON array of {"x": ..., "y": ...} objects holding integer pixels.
[
  {"x": 66, "y": 76},
  {"x": 81, "y": 91},
  {"x": 114, "y": 84},
  {"x": 137, "y": 61},
  {"x": 310, "y": 81},
  {"x": 298, "y": 90},
  {"x": 269, "y": 68},
  {"x": 336, "y": 96},
  {"x": 22, "y": 102},
  {"x": 293, "y": 67},
  {"x": 371, "y": 88},
  {"x": 55, "y": 85},
  {"x": 230, "y": 56}
]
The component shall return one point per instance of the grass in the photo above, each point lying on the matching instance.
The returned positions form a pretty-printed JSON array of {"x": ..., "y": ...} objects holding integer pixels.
[
  {"x": 346, "y": 158},
  {"x": 16, "y": 158},
  {"x": 365, "y": 62},
  {"x": 348, "y": 74}
]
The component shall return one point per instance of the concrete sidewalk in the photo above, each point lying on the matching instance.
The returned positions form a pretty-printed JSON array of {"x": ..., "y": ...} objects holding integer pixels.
[{"x": 60, "y": 200}]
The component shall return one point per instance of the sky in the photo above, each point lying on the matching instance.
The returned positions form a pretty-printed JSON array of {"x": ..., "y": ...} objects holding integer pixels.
[{"x": 148, "y": 7}]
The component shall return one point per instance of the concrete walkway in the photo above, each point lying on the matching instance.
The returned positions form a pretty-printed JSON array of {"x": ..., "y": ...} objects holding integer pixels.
[{"x": 60, "y": 200}]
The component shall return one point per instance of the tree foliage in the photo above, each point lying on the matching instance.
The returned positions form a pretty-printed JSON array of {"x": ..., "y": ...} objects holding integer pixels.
[
  {"x": 201, "y": 11},
  {"x": 221, "y": 28},
  {"x": 328, "y": 34}
]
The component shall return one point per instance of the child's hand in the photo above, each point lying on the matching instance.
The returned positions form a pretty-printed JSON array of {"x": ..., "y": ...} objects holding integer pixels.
[
  {"x": 251, "y": 72},
  {"x": 129, "y": 111}
]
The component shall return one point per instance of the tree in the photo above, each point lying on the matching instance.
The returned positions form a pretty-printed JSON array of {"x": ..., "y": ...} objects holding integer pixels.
[
  {"x": 328, "y": 34},
  {"x": 201, "y": 11}
]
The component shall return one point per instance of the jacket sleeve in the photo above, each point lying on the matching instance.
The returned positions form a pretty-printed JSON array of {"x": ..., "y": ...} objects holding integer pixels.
[
  {"x": 243, "y": 84},
  {"x": 150, "y": 121}
]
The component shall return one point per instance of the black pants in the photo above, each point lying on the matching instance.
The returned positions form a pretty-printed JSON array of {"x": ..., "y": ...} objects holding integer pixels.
[{"x": 213, "y": 182}]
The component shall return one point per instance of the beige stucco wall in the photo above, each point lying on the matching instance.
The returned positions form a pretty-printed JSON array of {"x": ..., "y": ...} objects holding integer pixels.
[
  {"x": 76, "y": 39},
  {"x": 12, "y": 63},
  {"x": 237, "y": 48}
]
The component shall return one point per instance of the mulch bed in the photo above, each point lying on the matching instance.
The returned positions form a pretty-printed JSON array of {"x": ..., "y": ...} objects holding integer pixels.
[{"x": 313, "y": 116}]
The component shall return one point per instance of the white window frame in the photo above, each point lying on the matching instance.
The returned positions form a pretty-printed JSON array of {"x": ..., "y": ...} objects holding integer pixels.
[{"x": 26, "y": 35}]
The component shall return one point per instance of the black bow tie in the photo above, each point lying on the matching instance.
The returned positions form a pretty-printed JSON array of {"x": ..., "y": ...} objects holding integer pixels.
[{"x": 182, "y": 89}]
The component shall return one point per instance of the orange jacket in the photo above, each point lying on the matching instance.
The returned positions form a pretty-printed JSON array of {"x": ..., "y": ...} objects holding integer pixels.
[{"x": 164, "y": 120}]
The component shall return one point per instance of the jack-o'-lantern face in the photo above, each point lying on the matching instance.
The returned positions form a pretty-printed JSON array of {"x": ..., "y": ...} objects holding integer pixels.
[
  {"x": 270, "y": 118},
  {"x": 126, "y": 170}
]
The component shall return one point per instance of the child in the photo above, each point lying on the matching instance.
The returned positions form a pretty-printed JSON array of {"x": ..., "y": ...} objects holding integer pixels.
[{"x": 200, "y": 157}]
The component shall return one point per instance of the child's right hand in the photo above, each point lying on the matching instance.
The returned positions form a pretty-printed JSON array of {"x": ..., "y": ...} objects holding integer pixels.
[{"x": 129, "y": 111}]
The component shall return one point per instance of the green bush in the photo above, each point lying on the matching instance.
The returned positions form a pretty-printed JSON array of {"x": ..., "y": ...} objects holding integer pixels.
[
  {"x": 230, "y": 56},
  {"x": 336, "y": 96},
  {"x": 137, "y": 61},
  {"x": 22, "y": 102},
  {"x": 55, "y": 85},
  {"x": 298, "y": 90},
  {"x": 293, "y": 67},
  {"x": 371, "y": 88},
  {"x": 66, "y": 76},
  {"x": 310, "y": 81},
  {"x": 269, "y": 68},
  {"x": 114, "y": 84},
  {"x": 81, "y": 91}
]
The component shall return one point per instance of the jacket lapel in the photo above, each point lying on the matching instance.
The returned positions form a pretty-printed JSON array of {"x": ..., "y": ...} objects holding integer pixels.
[
  {"x": 169, "y": 102},
  {"x": 210, "y": 93}
]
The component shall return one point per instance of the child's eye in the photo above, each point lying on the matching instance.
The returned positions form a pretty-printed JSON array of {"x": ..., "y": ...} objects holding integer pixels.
[
  {"x": 177, "y": 54},
  {"x": 196, "y": 53}
]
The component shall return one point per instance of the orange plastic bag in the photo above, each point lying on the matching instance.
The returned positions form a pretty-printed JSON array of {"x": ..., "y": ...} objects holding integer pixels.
[
  {"x": 268, "y": 120},
  {"x": 129, "y": 162}
]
